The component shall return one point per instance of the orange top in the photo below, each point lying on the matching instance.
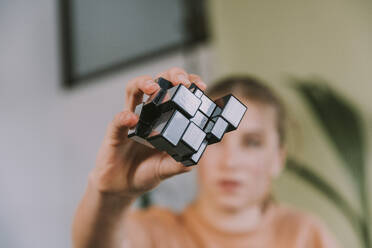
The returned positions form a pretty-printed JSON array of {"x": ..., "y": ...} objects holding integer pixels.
[{"x": 281, "y": 227}]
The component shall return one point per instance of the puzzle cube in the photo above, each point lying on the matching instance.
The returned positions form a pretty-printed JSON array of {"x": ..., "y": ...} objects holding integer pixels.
[{"x": 184, "y": 121}]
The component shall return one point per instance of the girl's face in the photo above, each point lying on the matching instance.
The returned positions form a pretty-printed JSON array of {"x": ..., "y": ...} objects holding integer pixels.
[{"x": 238, "y": 171}]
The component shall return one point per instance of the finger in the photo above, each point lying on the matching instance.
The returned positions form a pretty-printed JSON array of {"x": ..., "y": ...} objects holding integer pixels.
[
  {"x": 117, "y": 130},
  {"x": 164, "y": 74},
  {"x": 136, "y": 88},
  {"x": 168, "y": 167},
  {"x": 179, "y": 76},
  {"x": 176, "y": 75},
  {"x": 198, "y": 81}
]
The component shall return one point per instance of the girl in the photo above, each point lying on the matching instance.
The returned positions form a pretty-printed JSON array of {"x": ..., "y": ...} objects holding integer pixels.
[{"x": 233, "y": 207}]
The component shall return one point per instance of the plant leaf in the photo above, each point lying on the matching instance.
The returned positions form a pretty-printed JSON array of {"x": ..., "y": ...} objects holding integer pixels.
[
  {"x": 340, "y": 121},
  {"x": 326, "y": 189}
]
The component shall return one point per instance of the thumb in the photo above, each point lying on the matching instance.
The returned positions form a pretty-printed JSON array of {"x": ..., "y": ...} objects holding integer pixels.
[{"x": 117, "y": 130}]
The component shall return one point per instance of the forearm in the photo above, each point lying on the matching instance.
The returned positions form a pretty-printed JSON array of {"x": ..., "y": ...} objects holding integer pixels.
[{"x": 99, "y": 219}]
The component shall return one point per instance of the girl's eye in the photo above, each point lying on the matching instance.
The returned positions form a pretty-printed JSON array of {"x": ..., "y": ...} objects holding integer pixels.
[{"x": 252, "y": 142}]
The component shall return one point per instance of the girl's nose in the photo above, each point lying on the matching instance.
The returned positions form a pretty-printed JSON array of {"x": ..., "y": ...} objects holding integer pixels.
[{"x": 230, "y": 151}]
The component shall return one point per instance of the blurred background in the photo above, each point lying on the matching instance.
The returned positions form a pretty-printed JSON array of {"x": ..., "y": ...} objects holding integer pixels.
[{"x": 64, "y": 66}]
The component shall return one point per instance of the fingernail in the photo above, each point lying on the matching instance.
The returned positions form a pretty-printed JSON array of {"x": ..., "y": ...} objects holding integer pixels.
[
  {"x": 203, "y": 84},
  {"x": 182, "y": 78},
  {"x": 151, "y": 84}
]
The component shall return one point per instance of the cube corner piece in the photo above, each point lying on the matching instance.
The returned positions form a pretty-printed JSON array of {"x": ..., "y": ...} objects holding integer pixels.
[
  {"x": 139, "y": 133},
  {"x": 216, "y": 129},
  {"x": 163, "y": 83},
  {"x": 196, "y": 90},
  {"x": 181, "y": 98},
  {"x": 190, "y": 141},
  {"x": 168, "y": 130},
  {"x": 194, "y": 158},
  {"x": 231, "y": 109}
]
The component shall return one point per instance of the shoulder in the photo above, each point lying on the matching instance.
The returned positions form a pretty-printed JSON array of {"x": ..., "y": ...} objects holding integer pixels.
[
  {"x": 306, "y": 228},
  {"x": 154, "y": 213},
  {"x": 153, "y": 227},
  {"x": 292, "y": 216}
]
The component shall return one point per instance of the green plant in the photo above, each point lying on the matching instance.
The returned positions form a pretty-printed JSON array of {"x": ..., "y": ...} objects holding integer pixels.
[{"x": 343, "y": 126}]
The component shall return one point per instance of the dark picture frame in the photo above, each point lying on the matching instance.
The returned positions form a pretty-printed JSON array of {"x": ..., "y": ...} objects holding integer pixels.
[{"x": 195, "y": 32}]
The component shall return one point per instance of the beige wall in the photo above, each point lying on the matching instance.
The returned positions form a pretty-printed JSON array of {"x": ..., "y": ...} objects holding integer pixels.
[{"x": 328, "y": 38}]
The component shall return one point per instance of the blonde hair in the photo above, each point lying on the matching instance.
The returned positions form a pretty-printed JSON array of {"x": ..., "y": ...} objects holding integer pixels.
[{"x": 253, "y": 89}]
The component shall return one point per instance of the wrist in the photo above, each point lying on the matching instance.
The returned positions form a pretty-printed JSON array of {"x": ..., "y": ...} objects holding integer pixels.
[{"x": 104, "y": 196}]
